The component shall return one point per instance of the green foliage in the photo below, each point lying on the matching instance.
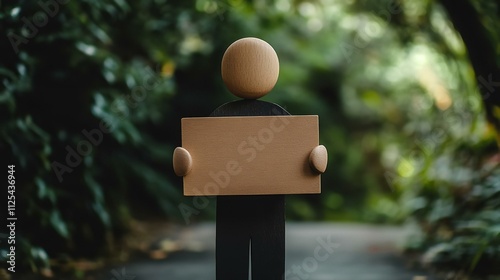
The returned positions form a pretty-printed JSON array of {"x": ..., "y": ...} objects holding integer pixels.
[
  {"x": 442, "y": 164},
  {"x": 72, "y": 78},
  {"x": 461, "y": 232}
]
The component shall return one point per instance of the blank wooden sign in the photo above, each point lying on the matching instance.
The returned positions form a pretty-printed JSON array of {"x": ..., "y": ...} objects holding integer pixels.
[{"x": 250, "y": 155}]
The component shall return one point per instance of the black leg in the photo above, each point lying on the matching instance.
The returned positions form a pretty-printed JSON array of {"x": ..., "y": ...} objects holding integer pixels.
[
  {"x": 232, "y": 239},
  {"x": 268, "y": 238}
]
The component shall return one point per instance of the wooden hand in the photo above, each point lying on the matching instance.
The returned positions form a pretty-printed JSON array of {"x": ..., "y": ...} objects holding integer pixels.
[
  {"x": 182, "y": 161},
  {"x": 318, "y": 159}
]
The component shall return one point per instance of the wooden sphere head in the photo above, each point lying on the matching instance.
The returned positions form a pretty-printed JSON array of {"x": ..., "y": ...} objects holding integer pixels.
[{"x": 250, "y": 68}]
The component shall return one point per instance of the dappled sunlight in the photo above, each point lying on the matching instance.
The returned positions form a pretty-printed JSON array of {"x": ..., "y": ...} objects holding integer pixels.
[{"x": 435, "y": 88}]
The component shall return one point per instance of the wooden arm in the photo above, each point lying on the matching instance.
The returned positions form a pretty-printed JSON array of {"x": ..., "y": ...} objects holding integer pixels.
[
  {"x": 182, "y": 161},
  {"x": 318, "y": 159}
]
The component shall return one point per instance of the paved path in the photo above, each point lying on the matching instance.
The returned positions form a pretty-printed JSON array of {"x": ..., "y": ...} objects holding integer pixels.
[{"x": 353, "y": 252}]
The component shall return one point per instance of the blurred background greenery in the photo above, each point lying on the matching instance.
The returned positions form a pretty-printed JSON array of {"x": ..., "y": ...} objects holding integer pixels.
[{"x": 406, "y": 91}]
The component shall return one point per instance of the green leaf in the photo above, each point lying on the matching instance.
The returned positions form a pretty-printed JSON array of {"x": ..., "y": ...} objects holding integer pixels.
[{"x": 58, "y": 224}]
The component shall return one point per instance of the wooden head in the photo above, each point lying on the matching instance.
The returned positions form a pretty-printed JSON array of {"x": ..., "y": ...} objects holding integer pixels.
[{"x": 250, "y": 68}]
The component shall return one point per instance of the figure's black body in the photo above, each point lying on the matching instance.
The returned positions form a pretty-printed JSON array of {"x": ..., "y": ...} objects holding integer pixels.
[{"x": 258, "y": 220}]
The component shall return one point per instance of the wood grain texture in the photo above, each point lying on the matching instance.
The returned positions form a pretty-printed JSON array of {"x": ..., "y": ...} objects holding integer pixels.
[
  {"x": 250, "y": 155},
  {"x": 182, "y": 161},
  {"x": 250, "y": 68},
  {"x": 319, "y": 159}
]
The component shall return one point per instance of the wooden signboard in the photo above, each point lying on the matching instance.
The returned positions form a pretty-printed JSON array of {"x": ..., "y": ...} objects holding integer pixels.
[{"x": 250, "y": 155}]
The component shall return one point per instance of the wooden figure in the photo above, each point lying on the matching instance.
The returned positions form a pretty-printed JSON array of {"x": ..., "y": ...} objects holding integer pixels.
[{"x": 250, "y": 153}]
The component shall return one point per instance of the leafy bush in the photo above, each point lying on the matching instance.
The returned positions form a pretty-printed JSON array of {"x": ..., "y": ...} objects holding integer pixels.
[
  {"x": 460, "y": 222},
  {"x": 87, "y": 118}
]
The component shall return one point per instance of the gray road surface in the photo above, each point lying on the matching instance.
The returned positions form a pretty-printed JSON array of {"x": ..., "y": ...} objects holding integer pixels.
[{"x": 315, "y": 251}]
